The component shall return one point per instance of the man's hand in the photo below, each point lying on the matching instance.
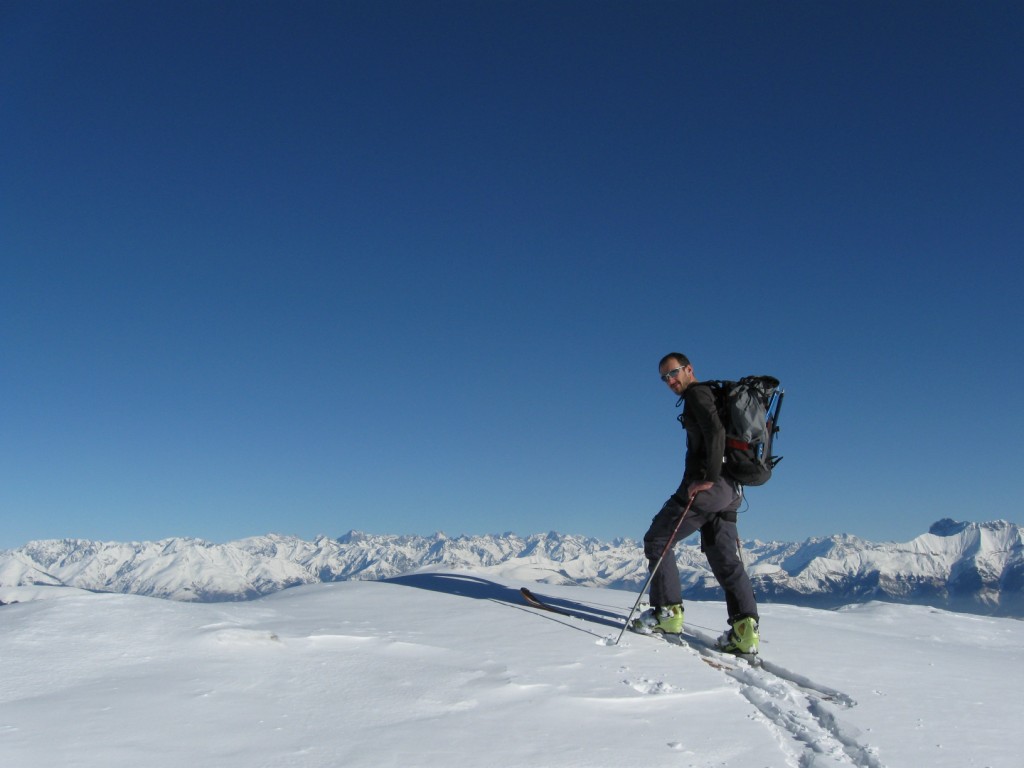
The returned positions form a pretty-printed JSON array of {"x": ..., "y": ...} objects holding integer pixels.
[{"x": 696, "y": 488}]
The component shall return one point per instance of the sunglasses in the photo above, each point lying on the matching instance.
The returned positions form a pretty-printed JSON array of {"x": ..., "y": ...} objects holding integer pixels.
[{"x": 674, "y": 373}]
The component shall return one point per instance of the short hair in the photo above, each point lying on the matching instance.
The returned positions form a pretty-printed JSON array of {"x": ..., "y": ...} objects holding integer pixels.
[{"x": 683, "y": 359}]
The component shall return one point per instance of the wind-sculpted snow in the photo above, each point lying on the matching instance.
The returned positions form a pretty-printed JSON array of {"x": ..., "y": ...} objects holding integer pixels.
[
  {"x": 974, "y": 567},
  {"x": 453, "y": 668}
]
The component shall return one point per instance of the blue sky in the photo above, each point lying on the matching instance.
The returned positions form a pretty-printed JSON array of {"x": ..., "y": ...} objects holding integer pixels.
[{"x": 408, "y": 267}]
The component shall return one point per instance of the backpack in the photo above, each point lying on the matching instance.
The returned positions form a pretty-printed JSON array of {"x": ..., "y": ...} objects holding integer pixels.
[{"x": 749, "y": 411}]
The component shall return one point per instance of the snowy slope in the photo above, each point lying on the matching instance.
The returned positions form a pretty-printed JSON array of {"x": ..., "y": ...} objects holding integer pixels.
[
  {"x": 976, "y": 567},
  {"x": 451, "y": 668}
]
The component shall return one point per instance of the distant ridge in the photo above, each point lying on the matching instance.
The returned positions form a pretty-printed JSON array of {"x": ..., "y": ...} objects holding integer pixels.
[{"x": 961, "y": 566}]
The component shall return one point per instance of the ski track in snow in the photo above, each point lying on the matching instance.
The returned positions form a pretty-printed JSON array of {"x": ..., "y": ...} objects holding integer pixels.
[
  {"x": 806, "y": 719},
  {"x": 801, "y": 713},
  {"x": 801, "y": 708},
  {"x": 802, "y": 716}
]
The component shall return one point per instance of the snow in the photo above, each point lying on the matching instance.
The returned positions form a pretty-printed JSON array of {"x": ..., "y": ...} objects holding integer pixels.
[{"x": 448, "y": 668}]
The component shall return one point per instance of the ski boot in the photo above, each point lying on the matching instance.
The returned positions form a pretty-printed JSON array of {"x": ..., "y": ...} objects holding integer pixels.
[
  {"x": 742, "y": 639},
  {"x": 667, "y": 620}
]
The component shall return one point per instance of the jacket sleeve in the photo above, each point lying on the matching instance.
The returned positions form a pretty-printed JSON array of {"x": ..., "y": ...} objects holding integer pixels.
[{"x": 701, "y": 410}]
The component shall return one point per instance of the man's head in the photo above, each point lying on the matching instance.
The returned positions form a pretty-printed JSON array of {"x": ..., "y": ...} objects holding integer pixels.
[{"x": 676, "y": 371}]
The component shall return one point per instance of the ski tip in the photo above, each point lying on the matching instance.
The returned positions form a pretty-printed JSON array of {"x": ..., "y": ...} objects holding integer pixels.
[{"x": 529, "y": 597}]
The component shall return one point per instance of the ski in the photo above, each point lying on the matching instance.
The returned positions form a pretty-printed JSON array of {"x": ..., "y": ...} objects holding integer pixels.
[
  {"x": 536, "y": 602},
  {"x": 583, "y": 613},
  {"x": 702, "y": 645},
  {"x": 707, "y": 650}
]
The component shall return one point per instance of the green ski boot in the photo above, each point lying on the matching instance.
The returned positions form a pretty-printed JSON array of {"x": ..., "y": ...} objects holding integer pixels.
[
  {"x": 742, "y": 639},
  {"x": 667, "y": 620}
]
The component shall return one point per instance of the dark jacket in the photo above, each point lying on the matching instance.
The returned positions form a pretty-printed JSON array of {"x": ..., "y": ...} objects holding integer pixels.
[{"x": 705, "y": 437}]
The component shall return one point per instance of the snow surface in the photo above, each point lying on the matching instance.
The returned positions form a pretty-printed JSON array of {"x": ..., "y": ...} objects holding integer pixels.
[{"x": 452, "y": 668}]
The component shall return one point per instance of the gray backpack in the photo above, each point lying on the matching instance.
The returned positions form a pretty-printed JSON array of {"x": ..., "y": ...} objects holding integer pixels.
[{"x": 749, "y": 411}]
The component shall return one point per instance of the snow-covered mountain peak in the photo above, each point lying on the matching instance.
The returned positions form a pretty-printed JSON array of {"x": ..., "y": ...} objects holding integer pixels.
[{"x": 961, "y": 565}]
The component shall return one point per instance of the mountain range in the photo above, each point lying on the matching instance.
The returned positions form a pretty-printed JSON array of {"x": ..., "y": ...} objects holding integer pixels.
[{"x": 962, "y": 566}]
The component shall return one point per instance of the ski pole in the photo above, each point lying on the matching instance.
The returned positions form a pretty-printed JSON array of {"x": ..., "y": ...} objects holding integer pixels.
[{"x": 654, "y": 570}]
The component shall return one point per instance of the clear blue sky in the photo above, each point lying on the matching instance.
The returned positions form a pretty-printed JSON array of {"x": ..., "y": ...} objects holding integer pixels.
[{"x": 409, "y": 267}]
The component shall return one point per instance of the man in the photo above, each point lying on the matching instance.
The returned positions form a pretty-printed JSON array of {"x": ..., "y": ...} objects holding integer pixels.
[{"x": 713, "y": 498}]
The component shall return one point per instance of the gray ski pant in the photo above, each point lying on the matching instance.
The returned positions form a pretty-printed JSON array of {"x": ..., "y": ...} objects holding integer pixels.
[{"x": 713, "y": 512}]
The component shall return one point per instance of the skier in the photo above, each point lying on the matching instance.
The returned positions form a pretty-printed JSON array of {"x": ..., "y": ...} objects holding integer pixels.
[{"x": 713, "y": 498}]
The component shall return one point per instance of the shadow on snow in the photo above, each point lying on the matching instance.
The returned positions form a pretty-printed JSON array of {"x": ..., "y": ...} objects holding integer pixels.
[{"x": 476, "y": 588}]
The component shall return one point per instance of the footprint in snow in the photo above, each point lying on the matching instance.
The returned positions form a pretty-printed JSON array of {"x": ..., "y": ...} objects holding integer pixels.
[{"x": 649, "y": 686}]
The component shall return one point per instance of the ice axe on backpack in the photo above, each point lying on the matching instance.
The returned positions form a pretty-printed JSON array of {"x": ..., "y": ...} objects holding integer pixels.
[{"x": 774, "y": 408}]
